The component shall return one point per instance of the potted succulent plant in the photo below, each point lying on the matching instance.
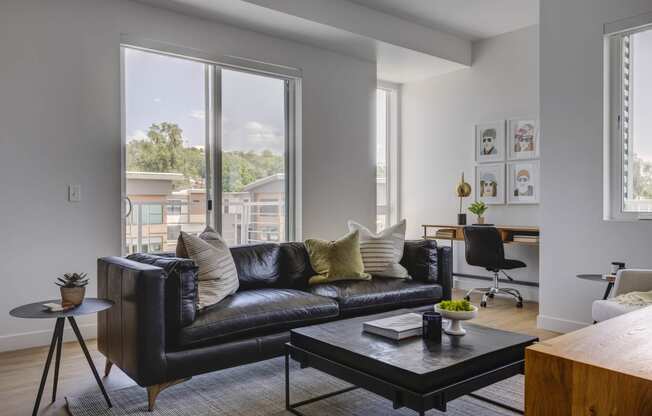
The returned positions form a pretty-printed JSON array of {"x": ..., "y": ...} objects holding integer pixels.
[
  {"x": 456, "y": 311},
  {"x": 73, "y": 288},
  {"x": 478, "y": 208}
]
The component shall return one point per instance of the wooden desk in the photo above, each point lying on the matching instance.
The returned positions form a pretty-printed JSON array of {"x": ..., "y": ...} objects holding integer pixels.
[
  {"x": 603, "y": 369},
  {"x": 506, "y": 232}
]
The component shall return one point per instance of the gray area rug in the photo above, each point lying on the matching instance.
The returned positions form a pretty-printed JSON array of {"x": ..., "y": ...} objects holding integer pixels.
[{"x": 258, "y": 390}]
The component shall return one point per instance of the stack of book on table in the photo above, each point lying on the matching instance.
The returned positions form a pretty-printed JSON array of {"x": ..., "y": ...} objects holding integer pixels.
[
  {"x": 396, "y": 327},
  {"x": 519, "y": 238},
  {"x": 445, "y": 233}
]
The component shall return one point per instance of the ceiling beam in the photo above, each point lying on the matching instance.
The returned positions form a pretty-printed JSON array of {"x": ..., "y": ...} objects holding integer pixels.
[{"x": 373, "y": 24}]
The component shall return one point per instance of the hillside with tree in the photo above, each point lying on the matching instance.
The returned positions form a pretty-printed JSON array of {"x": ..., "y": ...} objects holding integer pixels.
[{"x": 163, "y": 151}]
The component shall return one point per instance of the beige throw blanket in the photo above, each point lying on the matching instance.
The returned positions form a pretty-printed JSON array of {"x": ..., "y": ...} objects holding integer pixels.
[{"x": 635, "y": 298}]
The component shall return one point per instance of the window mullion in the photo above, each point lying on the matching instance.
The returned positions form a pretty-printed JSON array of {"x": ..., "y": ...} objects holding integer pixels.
[{"x": 216, "y": 148}]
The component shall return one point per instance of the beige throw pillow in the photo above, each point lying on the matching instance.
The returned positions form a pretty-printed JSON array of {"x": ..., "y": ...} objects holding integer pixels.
[
  {"x": 382, "y": 252},
  {"x": 218, "y": 276}
]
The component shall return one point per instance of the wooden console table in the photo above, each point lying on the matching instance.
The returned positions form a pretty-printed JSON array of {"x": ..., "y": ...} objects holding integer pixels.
[{"x": 603, "y": 369}]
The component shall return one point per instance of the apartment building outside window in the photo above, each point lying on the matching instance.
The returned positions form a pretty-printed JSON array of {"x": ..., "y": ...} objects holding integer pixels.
[{"x": 628, "y": 121}]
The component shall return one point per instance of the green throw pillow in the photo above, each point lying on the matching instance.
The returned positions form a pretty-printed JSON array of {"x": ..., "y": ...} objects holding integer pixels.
[{"x": 336, "y": 260}]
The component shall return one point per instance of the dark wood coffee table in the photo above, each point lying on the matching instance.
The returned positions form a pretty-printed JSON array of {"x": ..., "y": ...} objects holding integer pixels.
[{"x": 412, "y": 373}]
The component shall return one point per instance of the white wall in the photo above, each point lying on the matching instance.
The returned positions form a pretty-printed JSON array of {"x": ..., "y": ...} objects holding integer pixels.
[
  {"x": 575, "y": 238},
  {"x": 439, "y": 116},
  {"x": 60, "y": 124}
]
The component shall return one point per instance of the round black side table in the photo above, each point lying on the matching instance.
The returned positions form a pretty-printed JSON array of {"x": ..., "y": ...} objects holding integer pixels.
[
  {"x": 610, "y": 280},
  {"x": 38, "y": 311}
]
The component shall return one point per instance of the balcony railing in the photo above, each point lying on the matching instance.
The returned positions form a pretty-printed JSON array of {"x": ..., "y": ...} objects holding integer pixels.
[{"x": 155, "y": 226}]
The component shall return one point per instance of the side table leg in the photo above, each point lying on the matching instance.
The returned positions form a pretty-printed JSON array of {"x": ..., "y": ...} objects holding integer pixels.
[
  {"x": 58, "y": 327},
  {"x": 607, "y": 291},
  {"x": 88, "y": 358},
  {"x": 57, "y": 361}
]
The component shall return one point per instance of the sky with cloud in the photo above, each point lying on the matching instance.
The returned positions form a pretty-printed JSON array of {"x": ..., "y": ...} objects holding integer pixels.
[
  {"x": 642, "y": 116},
  {"x": 165, "y": 89}
]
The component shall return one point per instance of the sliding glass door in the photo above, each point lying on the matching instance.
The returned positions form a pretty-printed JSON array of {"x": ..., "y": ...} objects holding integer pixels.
[{"x": 193, "y": 130}]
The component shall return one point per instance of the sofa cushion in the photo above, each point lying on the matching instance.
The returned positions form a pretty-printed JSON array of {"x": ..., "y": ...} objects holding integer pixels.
[
  {"x": 378, "y": 294},
  {"x": 256, "y": 312},
  {"x": 295, "y": 266},
  {"x": 258, "y": 265},
  {"x": 420, "y": 260}
]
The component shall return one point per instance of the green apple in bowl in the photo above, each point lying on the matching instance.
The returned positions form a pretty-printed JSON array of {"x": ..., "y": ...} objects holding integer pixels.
[{"x": 456, "y": 311}]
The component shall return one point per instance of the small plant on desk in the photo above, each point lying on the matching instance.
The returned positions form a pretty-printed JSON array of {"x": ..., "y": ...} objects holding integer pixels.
[{"x": 478, "y": 208}]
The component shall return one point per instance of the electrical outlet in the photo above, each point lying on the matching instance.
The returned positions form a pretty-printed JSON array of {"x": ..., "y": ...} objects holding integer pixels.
[{"x": 74, "y": 193}]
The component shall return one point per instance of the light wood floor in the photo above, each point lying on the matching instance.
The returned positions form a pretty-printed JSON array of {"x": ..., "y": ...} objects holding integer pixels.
[{"x": 20, "y": 371}]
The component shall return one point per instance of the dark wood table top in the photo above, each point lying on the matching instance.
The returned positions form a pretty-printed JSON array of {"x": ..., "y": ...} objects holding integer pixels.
[
  {"x": 36, "y": 310},
  {"x": 413, "y": 361}
]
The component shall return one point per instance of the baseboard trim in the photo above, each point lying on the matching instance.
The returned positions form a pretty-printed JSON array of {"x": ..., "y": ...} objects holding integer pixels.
[
  {"x": 529, "y": 293},
  {"x": 43, "y": 337},
  {"x": 551, "y": 323}
]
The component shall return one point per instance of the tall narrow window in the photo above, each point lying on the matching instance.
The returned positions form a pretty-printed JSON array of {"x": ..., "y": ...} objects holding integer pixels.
[
  {"x": 196, "y": 129},
  {"x": 630, "y": 142},
  {"x": 386, "y": 157}
]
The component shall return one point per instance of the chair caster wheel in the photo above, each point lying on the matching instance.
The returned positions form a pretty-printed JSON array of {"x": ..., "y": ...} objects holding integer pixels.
[
  {"x": 491, "y": 295},
  {"x": 483, "y": 304},
  {"x": 519, "y": 304},
  {"x": 467, "y": 298}
]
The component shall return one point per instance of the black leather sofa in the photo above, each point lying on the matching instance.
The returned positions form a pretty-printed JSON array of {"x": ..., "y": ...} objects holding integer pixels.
[{"x": 156, "y": 336}]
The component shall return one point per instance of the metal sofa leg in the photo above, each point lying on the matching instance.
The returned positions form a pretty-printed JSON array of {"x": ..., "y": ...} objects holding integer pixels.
[{"x": 153, "y": 391}]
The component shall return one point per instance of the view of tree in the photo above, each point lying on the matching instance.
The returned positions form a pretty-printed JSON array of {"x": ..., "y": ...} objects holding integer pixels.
[
  {"x": 642, "y": 178},
  {"x": 163, "y": 151}
]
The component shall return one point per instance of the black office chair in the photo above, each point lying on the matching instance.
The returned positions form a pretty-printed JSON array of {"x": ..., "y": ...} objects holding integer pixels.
[{"x": 484, "y": 248}]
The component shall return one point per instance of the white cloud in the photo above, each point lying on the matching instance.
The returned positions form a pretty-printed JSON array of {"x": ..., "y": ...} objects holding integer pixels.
[
  {"x": 198, "y": 114},
  {"x": 137, "y": 135},
  {"x": 156, "y": 100},
  {"x": 260, "y": 133}
]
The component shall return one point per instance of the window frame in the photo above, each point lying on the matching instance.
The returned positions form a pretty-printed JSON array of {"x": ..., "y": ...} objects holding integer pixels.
[
  {"x": 392, "y": 146},
  {"x": 614, "y": 153},
  {"x": 214, "y": 65}
]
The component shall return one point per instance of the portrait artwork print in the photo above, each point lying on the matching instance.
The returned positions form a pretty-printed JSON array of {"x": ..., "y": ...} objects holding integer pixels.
[
  {"x": 523, "y": 139},
  {"x": 523, "y": 179},
  {"x": 490, "y": 142},
  {"x": 490, "y": 183}
]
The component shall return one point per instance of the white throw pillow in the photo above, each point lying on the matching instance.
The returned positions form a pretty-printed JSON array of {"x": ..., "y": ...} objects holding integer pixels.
[
  {"x": 218, "y": 276},
  {"x": 381, "y": 253}
]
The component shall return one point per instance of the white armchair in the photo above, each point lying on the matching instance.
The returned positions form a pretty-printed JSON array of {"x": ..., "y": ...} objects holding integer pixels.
[{"x": 627, "y": 280}]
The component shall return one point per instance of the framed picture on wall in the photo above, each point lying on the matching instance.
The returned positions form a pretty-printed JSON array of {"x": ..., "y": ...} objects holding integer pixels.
[
  {"x": 490, "y": 183},
  {"x": 490, "y": 142},
  {"x": 523, "y": 139},
  {"x": 523, "y": 182}
]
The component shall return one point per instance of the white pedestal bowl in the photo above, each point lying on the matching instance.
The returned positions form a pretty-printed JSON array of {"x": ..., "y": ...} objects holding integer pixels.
[{"x": 455, "y": 318}]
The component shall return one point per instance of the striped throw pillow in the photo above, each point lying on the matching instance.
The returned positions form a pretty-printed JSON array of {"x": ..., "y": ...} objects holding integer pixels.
[
  {"x": 218, "y": 277},
  {"x": 381, "y": 253}
]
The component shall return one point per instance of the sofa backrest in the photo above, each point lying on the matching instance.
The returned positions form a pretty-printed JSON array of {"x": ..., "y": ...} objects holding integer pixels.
[
  {"x": 258, "y": 265},
  {"x": 284, "y": 265}
]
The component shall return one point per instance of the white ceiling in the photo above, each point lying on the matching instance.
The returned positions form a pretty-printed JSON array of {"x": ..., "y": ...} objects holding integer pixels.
[{"x": 472, "y": 19}]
